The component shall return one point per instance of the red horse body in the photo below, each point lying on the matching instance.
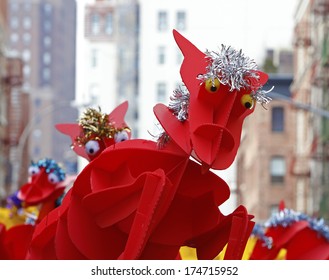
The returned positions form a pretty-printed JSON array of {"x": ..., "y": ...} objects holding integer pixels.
[{"x": 142, "y": 199}]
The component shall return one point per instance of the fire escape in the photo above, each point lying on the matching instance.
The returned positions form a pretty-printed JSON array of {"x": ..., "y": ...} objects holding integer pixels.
[
  {"x": 15, "y": 116},
  {"x": 320, "y": 82},
  {"x": 302, "y": 42}
]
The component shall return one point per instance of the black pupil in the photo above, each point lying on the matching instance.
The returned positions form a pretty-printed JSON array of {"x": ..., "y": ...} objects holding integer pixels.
[
  {"x": 91, "y": 150},
  {"x": 213, "y": 88},
  {"x": 247, "y": 105}
]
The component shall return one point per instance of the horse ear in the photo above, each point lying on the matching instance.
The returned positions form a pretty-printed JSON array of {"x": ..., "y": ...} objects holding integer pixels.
[
  {"x": 118, "y": 115},
  {"x": 186, "y": 47},
  {"x": 194, "y": 62}
]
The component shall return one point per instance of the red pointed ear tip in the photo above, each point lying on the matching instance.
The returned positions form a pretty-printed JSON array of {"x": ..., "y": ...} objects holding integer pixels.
[
  {"x": 263, "y": 77},
  {"x": 125, "y": 104},
  {"x": 61, "y": 127},
  {"x": 282, "y": 205},
  {"x": 58, "y": 126},
  {"x": 179, "y": 38}
]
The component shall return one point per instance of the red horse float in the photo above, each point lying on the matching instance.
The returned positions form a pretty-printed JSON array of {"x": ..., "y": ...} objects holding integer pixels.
[
  {"x": 290, "y": 235},
  {"x": 35, "y": 200},
  {"x": 142, "y": 199}
]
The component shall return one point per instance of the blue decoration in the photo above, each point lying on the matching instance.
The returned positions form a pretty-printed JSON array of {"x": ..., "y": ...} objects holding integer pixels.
[
  {"x": 259, "y": 232},
  {"x": 50, "y": 166},
  {"x": 287, "y": 217}
]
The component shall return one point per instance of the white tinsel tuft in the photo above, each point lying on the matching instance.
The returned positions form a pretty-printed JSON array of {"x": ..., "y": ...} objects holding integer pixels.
[
  {"x": 234, "y": 69},
  {"x": 179, "y": 103}
]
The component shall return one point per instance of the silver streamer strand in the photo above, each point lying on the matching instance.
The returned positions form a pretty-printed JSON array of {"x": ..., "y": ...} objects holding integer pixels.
[
  {"x": 179, "y": 103},
  {"x": 162, "y": 138},
  {"x": 234, "y": 69},
  {"x": 260, "y": 96},
  {"x": 287, "y": 217}
]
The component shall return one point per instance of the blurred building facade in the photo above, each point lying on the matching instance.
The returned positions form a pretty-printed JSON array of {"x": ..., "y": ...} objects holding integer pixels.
[
  {"x": 107, "y": 71},
  {"x": 3, "y": 122},
  {"x": 311, "y": 87},
  {"x": 14, "y": 109},
  {"x": 42, "y": 34},
  {"x": 265, "y": 157}
]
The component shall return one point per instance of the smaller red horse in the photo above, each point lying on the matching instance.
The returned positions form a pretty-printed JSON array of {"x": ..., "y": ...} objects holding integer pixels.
[
  {"x": 291, "y": 235},
  {"x": 45, "y": 187},
  {"x": 96, "y": 130}
]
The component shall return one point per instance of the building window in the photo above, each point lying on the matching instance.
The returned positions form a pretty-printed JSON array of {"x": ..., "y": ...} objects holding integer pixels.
[
  {"x": 109, "y": 24},
  {"x": 161, "y": 55},
  {"x": 47, "y": 9},
  {"x": 162, "y": 21},
  {"x": 47, "y": 26},
  {"x": 277, "y": 119},
  {"x": 46, "y": 58},
  {"x": 14, "y": 6},
  {"x": 181, "y": 20},
  {"x": 95, "y": 23},
  {"x": 27, "y": 23},
  {"x": 277, "y": 169},
  {"x": 47, "y": 41},
  {"x": 26, "y": 55},
  {"x": 14, "y": 22},
  {"x": 27, "y": 38},
  {"x": 94, "y": 58},
  {"x": 161, "y": 92},
  {"x": 14, "y": 38},
  {"x": 27, "y": 7},
  {"x": 26, "y": 71},
  {"x": 46, "y": 74}
]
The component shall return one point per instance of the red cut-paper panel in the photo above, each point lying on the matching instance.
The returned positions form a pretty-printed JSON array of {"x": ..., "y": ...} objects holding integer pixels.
[
  {"x": 42, "y": 245},
  {"x": 17, "y": 241},
  {"x": 178, "y": 131},
  {"x": 111, "y": 205},
  {"x": 65, "y": 249},
  {"x": 92, "y": 241},
  {"x": 308, "y": 244},
  {"x": 194, "y": 210},
  {"x": 280, "y": 236},
  {"x": 3, "y": 250}
]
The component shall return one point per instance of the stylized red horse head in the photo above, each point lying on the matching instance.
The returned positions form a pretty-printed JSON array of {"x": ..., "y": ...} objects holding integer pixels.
[
  {"x": 45, "y": 183},
  {"x": 221, "y": 90},
  {"x": 96, "y": 131}
]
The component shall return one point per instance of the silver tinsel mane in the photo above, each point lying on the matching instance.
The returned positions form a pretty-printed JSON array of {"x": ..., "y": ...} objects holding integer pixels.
[{"x": 234, "y": 69}]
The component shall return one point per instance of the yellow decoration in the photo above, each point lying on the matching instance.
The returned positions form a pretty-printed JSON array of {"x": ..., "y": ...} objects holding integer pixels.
[
  {"x": 212, "y": 85},
  {"x": 12, "y": 217},
  {"x": 247, "y": 101}
]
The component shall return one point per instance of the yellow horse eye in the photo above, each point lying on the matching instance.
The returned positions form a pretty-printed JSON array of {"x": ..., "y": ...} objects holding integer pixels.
[
  {"x": 212, "y": 85},
  {"x": 247, "y": 101}
]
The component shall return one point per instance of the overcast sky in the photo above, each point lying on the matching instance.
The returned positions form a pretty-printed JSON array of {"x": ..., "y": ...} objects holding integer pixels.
[{"x": 251, "y": 25}]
